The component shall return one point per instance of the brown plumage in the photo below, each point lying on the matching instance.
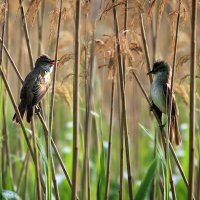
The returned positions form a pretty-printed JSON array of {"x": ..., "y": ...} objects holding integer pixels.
[{"x": 35, "y": 87}]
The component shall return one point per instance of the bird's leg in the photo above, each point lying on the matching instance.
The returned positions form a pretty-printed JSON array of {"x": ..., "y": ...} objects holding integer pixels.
[
  {"x": 162, "y": 126},
  {"x": 37, "y": 109},
  {"x": 152, "y": 107}
]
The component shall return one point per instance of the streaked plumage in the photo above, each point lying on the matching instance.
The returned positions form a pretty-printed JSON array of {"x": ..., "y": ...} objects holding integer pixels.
[
  {"x": 35, "y": 87},
  {"x": 160, "y": 90}
]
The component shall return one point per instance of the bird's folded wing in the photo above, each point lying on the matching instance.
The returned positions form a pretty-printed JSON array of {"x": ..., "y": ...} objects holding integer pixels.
[
  {"x": 39, "y": 89},
  {"x": 167, "y": 92}
]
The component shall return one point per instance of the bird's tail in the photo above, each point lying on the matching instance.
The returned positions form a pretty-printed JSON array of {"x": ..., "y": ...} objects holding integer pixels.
[
  {"x": 175, "y": 135},
  {"x": 29, "y": 113},
  {"x": 22, "y": 109}
]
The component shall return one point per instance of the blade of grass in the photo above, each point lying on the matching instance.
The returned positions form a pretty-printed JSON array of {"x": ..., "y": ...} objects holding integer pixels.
[
  {"x": 142, "y": 191},
  {"x": 36, "y": 159}
]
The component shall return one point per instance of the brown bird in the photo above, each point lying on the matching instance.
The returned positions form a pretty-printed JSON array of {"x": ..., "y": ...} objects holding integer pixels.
[
  {"x": 35, "y": 87},
  {"x": 160, "y": 94}
]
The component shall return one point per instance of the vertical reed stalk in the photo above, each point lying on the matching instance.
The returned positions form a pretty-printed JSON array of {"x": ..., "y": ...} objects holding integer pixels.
[
  {"x": 122, "y": 129},
  {"x": 192, "y": 99},
  {"x": 76, "y": 98},
  {"x": 26, "y": 34},
  {"x": 36, "y": 158},
  {"x": 146, "y": 50},
  {"x": 124, "y": 119},
  {"x": 86, "y": 113},
  {"x": 169, "y": 108},
  {"x": 40, "y": 27},
  {"x": 110, "y": 138},
  {"x": 3, "y": 148},
  {"x": 170, "y": 93},
  {"x": 26, "y": 180},
  {"x": 19, "y": 182},
  {"x": 89, "y": 94},
  {"x": 49, "y": 155}
]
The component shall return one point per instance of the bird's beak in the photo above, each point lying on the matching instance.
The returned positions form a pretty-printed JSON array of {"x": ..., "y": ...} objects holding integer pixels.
[
  {"x": 150, "y": 72},
  {"x": 52, "y": 62}
]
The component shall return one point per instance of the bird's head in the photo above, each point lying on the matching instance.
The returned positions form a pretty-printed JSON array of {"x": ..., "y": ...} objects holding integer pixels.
[
  {"x": 160, "y": 67},
  {"x": 45, "y": 62}
]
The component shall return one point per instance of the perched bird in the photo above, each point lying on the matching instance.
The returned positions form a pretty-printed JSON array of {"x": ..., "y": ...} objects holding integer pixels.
[
  {"x": 35, "y": 87},
  {"x": 160, "y": 94}
]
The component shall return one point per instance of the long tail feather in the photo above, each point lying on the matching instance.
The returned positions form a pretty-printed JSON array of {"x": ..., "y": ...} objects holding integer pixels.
[
  {"x": 22, "y": 109},
  {"x": 29, "y": 113},
  {"x": 175, "y": 131}
]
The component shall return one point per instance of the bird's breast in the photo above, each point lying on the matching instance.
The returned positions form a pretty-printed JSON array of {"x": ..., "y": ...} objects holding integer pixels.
[{"x": 157, "y": 96}]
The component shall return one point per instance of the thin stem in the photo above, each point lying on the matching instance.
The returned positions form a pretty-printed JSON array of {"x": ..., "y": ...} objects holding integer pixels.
[
  {"x": 40, "y": 27},
  {"x": 146, "y": 50},
  {"x": 75, "y": 99},
  {"x": 172, "y": 183},
  {"x": 4, "y": 118},
  {"x": 49, "y": 156},
  {"x": 123, "y": 102},
  {"x": 86, "y": 160},
  {"x": 19, "y": 182},
  {"x": 36, "y": 159},
  {"x": 88, "y": 108},
  {"x": 192, "y": 99},
  {"x": 26, "y": 34},
  {"x": 173, "y": 73},
  {"x": 110, "y": 140}
]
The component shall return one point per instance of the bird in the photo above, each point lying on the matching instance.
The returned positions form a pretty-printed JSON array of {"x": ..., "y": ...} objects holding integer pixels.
[
  {"x": 160, "y": 95},
  {"x": 35, "y": 87}
]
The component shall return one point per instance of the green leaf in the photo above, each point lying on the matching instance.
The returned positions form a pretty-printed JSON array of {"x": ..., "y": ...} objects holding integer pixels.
[
  {"x": 102, "y": 175},
  {"x": 147, "y": 181},
  {"x": 10, "y": 195},
  {"x": 9, "y": 181}
]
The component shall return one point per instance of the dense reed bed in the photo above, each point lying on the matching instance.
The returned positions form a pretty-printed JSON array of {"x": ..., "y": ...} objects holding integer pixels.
[{"x": 94, "y": 136}]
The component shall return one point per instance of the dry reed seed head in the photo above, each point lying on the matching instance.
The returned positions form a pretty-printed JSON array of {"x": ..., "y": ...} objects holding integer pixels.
[
  {"x": 112, "y": 65},
  {"x": 65, "y": 58},
  {"x": 181, "y": 61},
  {"x": 125, "y": 47},
  {"x": 32, "y": 11},
  {"x": 184, "y": 14},
  {"x": 152, "y": 5},
  {"x": 182, "y": 92},
  {"x": 66, "y": 13},
  {"x": 107, "y": 7},
  {"x": 63, "y": 91},
  {"x": 2, "y": 11},
  {"x": 160, "y": 12}
]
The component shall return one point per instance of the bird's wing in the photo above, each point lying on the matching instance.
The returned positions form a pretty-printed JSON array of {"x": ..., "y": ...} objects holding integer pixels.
[
  {"x": 28, "y": 84},
  {"x": 157, "y": 111},
  {"x": 40, "y": 88},
  {"x": 167, "y": 91}
]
